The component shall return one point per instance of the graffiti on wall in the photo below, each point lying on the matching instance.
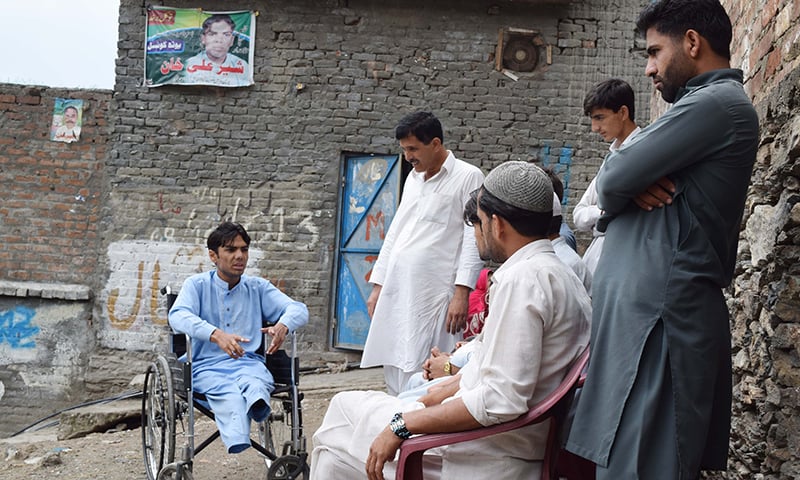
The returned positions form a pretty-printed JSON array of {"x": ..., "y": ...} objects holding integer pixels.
[
  {"x": 561, "y": 161},
  {"x": 293, "y": 229},
  {"x": 132, "y": 297},
  {"x": 16, "y": 329}
]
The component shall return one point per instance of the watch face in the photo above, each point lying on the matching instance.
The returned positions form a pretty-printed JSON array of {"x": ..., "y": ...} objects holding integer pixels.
[{"x": 398, "y": 426}]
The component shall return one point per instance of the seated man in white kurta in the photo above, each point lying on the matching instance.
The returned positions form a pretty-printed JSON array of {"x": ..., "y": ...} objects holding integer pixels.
[{"x": 538, "y": 324}]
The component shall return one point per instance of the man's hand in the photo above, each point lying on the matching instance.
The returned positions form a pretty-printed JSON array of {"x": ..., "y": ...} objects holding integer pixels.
[
  {"x": 457, "y": 311},
  {"x": 229, "y": 343},
  {"x": 373, "y": 299},
  {"x": 278, "y": 333},
  {"x": 657, "y": 195},
  {"x": 439, "y": 392},
  {"x": 382, "y": 450},
  {"x": 433, "y": 367}
]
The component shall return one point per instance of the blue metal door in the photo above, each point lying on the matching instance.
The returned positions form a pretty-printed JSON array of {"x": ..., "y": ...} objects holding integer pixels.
[{"x": 370, "y": 196}]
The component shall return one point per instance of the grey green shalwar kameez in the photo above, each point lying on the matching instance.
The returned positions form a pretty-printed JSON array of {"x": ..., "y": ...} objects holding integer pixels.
[{"x": 656, "y": 404}]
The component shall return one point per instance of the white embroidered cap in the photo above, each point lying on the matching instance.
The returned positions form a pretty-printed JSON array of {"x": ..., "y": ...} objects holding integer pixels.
[{"x": 522, "y": 185}]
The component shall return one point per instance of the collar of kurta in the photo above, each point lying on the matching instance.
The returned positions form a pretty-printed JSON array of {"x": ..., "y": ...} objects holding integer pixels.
[
  {"x": 222, "y": 283},
  {"x": 534, "y": 248},
  {"x": 614, "y": 147},
  {"x": 733, "y": 74},
  {"x": 447, "y": 166}
]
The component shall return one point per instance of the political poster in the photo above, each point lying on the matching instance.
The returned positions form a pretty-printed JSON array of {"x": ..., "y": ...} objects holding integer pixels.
[
  {"x": 191, "y": 46},
  {"x": 67, "y": 120}
]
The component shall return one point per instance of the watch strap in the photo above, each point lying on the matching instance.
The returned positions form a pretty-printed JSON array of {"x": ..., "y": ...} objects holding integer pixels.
[{"x": 398, "y": 426}]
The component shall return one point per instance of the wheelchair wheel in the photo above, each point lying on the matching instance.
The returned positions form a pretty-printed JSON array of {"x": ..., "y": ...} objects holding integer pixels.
[
  {"x": 275, "y": 433},
  {"x": 288, "y": 467},
  {"x": 170, "y": 472},
  {"x": 158, "y": 418}
]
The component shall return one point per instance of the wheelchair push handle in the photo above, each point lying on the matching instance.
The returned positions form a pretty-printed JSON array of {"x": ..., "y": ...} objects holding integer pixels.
[{"x": 171, "y": 296}]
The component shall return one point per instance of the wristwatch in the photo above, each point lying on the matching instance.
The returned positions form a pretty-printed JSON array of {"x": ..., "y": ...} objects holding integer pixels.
[
  {"x": 447, "y": 368},
  {"x": 398, "y": 426}
]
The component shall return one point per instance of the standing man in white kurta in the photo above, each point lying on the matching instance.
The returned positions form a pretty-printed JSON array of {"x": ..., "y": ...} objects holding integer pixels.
[
  {"x": 429, "y": 261},
  {"x": 611, "y": 107}
]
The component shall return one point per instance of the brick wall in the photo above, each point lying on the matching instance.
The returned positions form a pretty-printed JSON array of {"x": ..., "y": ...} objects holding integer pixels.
[
  {"x": 130, "y": 217},
  {"x": 49, "y": 218},
  {"x": 334, "y": 77},
  {"x": 138, "y": 195},
  {"x": 49, "y": 203},
  {"x": 126, "y": 209}
]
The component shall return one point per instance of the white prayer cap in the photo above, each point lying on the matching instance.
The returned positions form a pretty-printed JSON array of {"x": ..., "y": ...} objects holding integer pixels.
[
  {"x": 522, "y": 185},
  {"x": 556, "y": 205}
]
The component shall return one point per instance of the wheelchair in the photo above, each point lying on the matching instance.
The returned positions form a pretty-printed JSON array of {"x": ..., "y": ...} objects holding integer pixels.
[{"x": 168, "y": 413}]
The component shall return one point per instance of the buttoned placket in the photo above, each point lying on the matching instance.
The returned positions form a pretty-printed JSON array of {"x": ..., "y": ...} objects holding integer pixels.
[{"x": 226, "y": 315}]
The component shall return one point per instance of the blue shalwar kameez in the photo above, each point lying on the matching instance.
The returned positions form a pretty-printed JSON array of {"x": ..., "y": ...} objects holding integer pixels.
[{"x": 232, "y": 386}]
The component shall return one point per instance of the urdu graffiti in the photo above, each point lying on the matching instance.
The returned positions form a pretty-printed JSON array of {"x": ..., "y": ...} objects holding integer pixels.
[
  {"x": 132, "y": 295},
  {"x": 16, "y": 328}
]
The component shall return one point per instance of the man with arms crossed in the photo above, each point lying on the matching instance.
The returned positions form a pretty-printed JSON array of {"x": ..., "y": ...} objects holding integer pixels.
[
  {"x": 657, "y": 400},
  {"x": 537, "y": 325}
]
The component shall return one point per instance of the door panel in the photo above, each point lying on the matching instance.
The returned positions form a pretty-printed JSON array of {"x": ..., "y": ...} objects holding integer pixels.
[{"x": 370, "y": 195}]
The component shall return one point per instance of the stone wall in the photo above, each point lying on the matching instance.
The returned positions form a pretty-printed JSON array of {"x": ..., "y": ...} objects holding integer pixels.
[{"x": 765, "y": 296}]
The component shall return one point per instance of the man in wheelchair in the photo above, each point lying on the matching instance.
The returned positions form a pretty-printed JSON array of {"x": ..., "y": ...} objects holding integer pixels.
[
  {"x": 537, "y": 326},
  {"x": 223, "y": 311}
]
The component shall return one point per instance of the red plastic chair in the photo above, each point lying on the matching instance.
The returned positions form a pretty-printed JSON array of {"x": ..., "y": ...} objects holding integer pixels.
[{"x": 554, "y": 406}]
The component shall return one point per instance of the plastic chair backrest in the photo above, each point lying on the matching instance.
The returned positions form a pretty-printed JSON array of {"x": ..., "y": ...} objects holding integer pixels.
[{"x": 554, "y": 405}]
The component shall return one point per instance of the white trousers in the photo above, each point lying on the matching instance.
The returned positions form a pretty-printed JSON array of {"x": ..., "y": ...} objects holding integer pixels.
[
  {"x": 396, "y": 379},
  {"x": 353, "y": 420}
]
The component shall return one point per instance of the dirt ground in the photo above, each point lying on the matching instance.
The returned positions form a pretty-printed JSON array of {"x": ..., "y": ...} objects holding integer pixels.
[{"x": 118, "y": 455}]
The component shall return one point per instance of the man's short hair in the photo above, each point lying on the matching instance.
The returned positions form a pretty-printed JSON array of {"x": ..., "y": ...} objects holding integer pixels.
[
  {"x": 611, "y": 94},
  {"x": 471, "y": 209},
  {"x": 674, "y": 17},
  {"x": 225, "y": 234},
  {"x": 218, "y": 17},
  {"x": 522, "y": 194},
  {"x": 423, "y": 125},
  {"x": 558, "y": 185},
  {"x": 558, "y": 190}
]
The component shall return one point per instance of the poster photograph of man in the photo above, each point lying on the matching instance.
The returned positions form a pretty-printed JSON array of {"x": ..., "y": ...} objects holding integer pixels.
[{"x": 188, "y": 46}]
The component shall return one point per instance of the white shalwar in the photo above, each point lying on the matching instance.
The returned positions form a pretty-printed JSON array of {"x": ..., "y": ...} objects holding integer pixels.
[
  {"x": 428, "y": 250},
  {"x": 586, "y": 213},
  {"x": 538, "y": 324}
]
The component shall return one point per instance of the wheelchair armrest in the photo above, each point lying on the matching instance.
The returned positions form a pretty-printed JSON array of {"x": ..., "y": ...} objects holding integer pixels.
[{"x": 284, "y": 363}]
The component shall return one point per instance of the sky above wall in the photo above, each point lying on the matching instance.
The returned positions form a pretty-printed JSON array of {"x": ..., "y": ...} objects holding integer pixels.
[{"x": 59, "y": 43}]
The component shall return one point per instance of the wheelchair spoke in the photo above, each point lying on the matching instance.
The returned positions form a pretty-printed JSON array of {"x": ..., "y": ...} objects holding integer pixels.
[{"x": 158, "y": 418}]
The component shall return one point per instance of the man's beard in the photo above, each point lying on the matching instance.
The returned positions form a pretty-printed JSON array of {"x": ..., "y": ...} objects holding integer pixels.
[{"x": 675, "y": 78}]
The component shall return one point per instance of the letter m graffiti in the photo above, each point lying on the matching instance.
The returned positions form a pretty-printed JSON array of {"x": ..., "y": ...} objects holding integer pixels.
[{"x": 376, "y": 221}]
